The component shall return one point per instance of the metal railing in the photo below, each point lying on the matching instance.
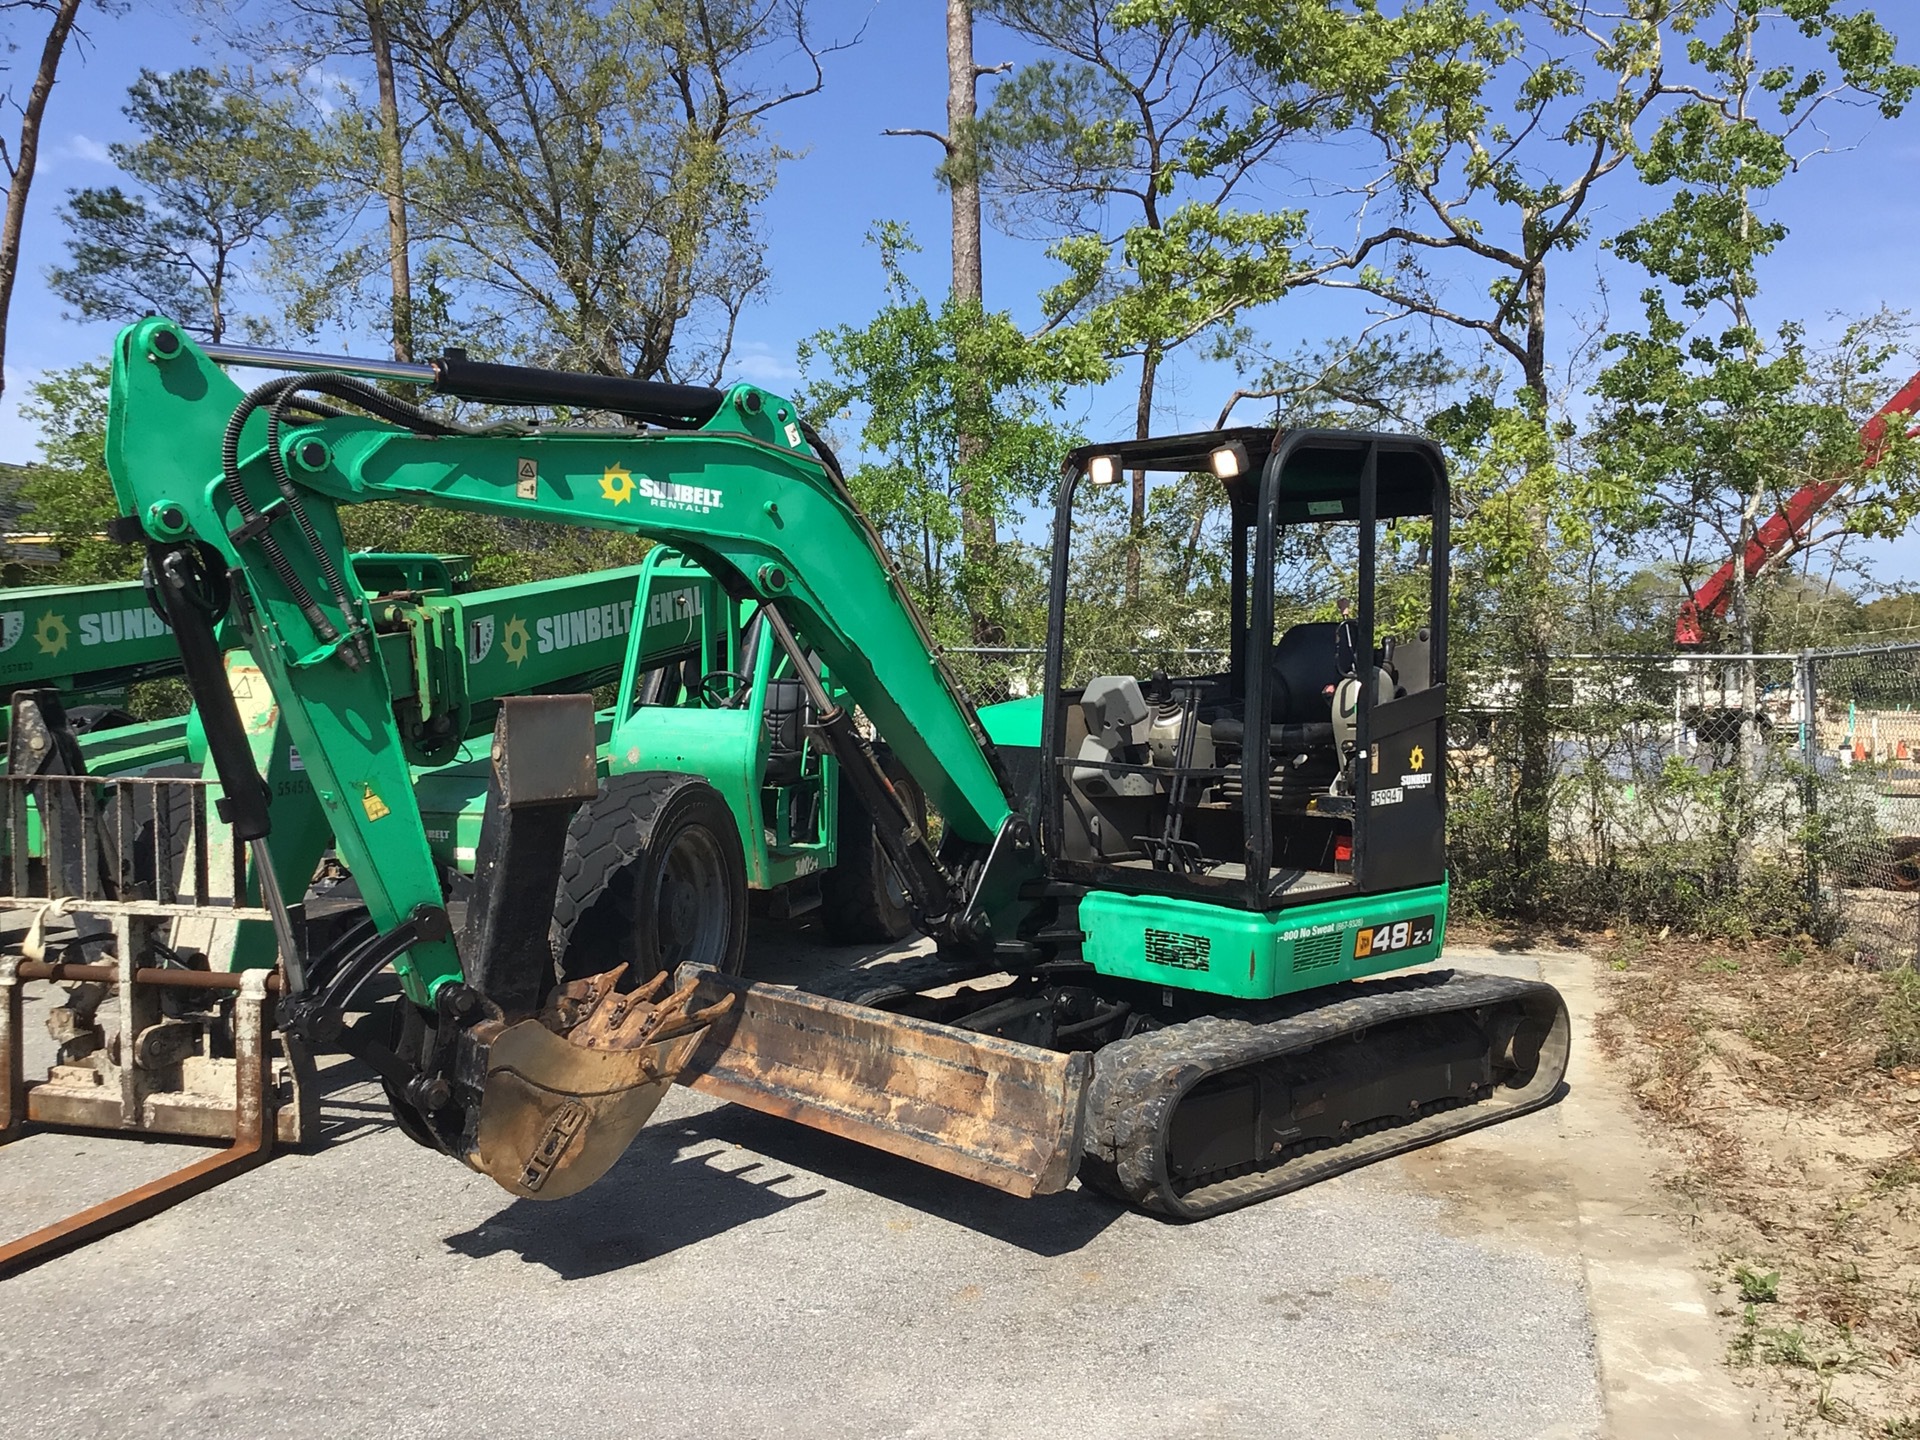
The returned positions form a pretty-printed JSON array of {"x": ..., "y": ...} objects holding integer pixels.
[{"x": 124, "y": 845}]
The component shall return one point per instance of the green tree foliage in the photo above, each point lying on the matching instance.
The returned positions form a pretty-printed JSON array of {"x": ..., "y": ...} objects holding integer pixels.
[
  {"x": 1127, "y": 148},
  {"x": 217, "y": 169},
  {"x": 591, "y": 175},
  {"x": 951, "y": 400},
  {"x": 1708, "y": 425},
  {"x": 68, "y": 493}
]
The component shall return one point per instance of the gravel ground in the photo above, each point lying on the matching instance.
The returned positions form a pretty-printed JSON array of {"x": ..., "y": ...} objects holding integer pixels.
[{"x": 738, "y": 1275}]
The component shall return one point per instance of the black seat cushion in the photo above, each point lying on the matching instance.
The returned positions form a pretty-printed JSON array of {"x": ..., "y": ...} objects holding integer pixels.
[{"x": 1302, "y": 671}]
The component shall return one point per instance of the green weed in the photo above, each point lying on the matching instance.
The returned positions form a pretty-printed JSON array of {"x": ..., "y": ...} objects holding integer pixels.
[
  {"x": 1757, "y": 1287},
  {"x": 1900, "y": 1013},
  {"x": 1898, "y": 1173}
]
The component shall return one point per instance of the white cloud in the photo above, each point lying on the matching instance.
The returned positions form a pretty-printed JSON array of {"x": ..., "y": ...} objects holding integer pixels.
[
  {"x": 759, "y": 362},
  {"x": 327, "y": 89},
  {"x": 83, "y": 148}
]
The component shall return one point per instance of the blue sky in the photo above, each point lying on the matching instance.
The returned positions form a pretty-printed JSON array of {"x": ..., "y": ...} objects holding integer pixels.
[{"x": 1852, "y": 215}]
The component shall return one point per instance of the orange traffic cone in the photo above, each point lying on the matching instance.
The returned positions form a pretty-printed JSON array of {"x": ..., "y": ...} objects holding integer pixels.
[{"x": 1859, "y": 749}]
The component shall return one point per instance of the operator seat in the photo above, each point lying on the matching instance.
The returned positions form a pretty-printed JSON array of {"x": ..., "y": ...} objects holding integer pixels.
[{"x": 1304, "y": 668}]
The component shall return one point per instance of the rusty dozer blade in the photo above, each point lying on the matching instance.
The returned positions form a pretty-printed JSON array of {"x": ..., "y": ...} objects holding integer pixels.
[
  {"x": 992, "y": 1110},
  {"x": 566, "y": 1092}
]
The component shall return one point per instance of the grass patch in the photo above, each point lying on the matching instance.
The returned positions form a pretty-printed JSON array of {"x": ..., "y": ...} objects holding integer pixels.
[
  {"x": 1757, "y": 1287},
  {"x": 1898, "y": 1173},
  {"x": 1900, "y": 1014}
]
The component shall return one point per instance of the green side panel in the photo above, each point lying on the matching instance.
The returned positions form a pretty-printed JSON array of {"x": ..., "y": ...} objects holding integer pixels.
[
  {"x": 1190, "y": 945},
  {"x": 721, "y": 746},
  {"x": 136, "y": 749},
  {"x": 82, "y": 637},
  {"x": 1014, "y": 722}
]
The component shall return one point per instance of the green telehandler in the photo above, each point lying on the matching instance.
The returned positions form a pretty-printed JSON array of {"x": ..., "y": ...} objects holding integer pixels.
[{"x": 1157, "y": 899}]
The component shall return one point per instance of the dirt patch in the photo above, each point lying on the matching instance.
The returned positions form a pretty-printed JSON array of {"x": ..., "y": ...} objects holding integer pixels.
[{"x": 1787, "y": 1080}]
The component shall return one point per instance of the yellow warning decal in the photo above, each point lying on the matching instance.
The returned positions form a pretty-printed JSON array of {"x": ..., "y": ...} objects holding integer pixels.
[{"x": 375, "y": 807}]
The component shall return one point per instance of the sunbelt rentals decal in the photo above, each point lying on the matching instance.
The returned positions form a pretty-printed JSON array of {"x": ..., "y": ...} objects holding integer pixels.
[
  {"x": 54, "y": 635},
  {"x": 548, "y": 633},
  {"x": 619, "y": 485}
]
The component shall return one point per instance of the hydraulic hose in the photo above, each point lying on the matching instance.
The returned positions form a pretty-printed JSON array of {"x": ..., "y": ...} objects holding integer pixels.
[{"x": 250, "y": 517}]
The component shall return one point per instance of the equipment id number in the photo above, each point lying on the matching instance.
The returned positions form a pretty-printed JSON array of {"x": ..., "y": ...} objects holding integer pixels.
[{"x": 1384, "y": 939}]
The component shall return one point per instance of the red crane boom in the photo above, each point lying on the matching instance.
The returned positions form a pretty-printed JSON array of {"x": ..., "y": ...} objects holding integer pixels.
[{"x": 1793, "y": 521}]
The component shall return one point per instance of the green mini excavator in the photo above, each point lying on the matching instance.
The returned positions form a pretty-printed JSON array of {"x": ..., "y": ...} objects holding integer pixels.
[{"x": 1157, "y": 899}]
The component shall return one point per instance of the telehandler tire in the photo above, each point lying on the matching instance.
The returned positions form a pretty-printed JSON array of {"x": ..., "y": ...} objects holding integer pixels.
[
  {"x": 139, "y": 815},
  {"x": 863, "y": 899},
  {"x": 654, "y": 877}
]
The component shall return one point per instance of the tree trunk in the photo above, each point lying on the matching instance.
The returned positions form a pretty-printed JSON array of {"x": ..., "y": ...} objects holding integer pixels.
[
  {"x": 962, "y": 105},
  {"x": 1142, "y": 428},
  {"x": 1535, "y": 622},
  {"x": 979, "y": 536},
  {"x": 25, "y": 159},
  {"x": 394, "y": 180}
]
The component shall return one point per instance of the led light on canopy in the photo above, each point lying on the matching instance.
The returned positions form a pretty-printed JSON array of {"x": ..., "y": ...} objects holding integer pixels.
[
  {"x": 1103, "y": 470},
  {"x": 1229, "y": 461}
]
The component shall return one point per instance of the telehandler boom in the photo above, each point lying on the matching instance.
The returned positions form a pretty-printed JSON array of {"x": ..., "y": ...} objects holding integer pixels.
[{"x": 1166, "y": 887}]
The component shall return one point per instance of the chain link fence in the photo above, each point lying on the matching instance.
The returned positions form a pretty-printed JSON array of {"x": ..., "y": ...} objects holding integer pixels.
[
  {"x": 1705, "y": 792},
  {"x": 1862, "y": 749}
]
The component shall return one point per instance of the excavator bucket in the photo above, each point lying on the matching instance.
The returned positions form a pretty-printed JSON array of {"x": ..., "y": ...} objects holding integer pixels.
[
  {"x": 992, "y": 1110},
  {"x": 566, "y": 1093}
]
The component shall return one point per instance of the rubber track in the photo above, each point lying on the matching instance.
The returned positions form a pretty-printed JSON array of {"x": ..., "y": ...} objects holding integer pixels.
[{"x": 1137, "y": 1083}]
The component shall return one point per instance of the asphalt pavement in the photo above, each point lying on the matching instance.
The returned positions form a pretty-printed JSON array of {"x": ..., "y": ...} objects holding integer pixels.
[{"x": 737, "y": 1275}]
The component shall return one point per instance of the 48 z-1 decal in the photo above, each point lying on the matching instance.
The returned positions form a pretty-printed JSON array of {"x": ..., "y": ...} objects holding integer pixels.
[{"x": 1400, "y": 935}]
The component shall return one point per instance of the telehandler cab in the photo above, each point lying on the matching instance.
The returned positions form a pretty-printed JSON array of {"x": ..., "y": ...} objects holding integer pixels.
[{"x": 1155, "y": 898}]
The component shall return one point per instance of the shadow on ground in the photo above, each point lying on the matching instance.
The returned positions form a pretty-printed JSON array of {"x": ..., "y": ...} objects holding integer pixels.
[{"x": 684, "y": 1182}]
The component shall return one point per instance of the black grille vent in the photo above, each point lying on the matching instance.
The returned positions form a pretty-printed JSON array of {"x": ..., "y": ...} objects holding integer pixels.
[
  {"x": 1317, "y": 951},
  {"x": 1181, "y": 952}
]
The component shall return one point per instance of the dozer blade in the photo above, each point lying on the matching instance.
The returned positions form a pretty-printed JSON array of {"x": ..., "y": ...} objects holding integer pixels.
[
  {"x": 566, "y": 1093},
  {"x": 1004, "y": 1114}
]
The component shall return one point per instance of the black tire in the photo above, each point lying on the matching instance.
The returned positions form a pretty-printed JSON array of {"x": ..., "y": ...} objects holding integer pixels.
[
  {"x": 145, "y": 811},
  {"x": 654, "y": 877},
  {"x": 863, "y": 899}
]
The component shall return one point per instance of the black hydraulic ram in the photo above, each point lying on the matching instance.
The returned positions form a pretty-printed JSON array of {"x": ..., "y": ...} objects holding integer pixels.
[
  {"x": 194, "y": 599},
  {"x": 649, "y": 401}
]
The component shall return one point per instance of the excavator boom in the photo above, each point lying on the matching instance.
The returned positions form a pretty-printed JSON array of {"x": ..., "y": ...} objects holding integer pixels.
[{"x": 746, "y": 495}]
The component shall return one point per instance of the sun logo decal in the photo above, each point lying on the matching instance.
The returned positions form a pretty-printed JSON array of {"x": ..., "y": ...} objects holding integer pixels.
[
  {"x": 1417, "y": 759},
  {"x": 51, "y": 633},
  {"x": 617, "y": 484},
  {"x": 513, "y": 641}
]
